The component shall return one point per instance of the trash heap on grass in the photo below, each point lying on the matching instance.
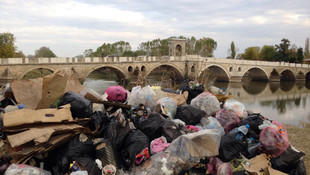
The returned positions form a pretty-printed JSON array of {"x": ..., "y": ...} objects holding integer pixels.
[{"x": 66, "y": 128}]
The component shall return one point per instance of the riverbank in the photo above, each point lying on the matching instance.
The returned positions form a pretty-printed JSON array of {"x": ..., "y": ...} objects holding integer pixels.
[{"x": 300, "y": 139}]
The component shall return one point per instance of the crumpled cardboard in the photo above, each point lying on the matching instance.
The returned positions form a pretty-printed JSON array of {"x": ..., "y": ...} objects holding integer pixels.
[
  {"x": 29, "y": 116},
  {"x": 40, "y": 93},
  {"x": 260, "y": 165},
  {"x": 41, "y": 134}
]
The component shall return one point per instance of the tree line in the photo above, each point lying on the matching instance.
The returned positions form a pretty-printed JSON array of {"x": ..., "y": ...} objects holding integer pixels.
[{"x": 205, "y": 47}]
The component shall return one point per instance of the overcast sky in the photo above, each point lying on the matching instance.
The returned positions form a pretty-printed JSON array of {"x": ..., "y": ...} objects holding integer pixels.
[{"x": 70, "y": 27}]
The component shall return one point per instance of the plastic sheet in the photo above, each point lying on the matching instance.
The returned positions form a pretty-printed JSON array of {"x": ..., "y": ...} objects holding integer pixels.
[
  {"x": 274, "y": 141},
  {"x": 145, "y": 96},
  {"x": 15, "y": 169},
  {"x": 236, "y": 106},
  {"x": 228, "y": 119},
  {"x": 211, "y": 123},
  {"x": 183, "y": 153},
  {"x": 167, "y": 106},
  {"x": 206, "y": 102},
  {"x": 189, "y": 114}
]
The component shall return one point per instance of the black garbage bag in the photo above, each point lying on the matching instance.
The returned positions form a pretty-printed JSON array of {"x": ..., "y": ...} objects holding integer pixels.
[
  {"x": 80, "y": 106},
  {"x": 253, "y": 120},
  {"x": 193, "y": 91},
  {"x": 169, "y": 90},
  {"x": 189, "y": 114},
  {"x": 289, "y": 162},
  {"x": 89, "y": 165},
  {"x": 99, "y": 121},
  {"x": 59, "y": 159},
  {"x": 151, "y": 126},
  {"x": 134, "y": 142},
  {"x": 172, "y": 131},
  {"x": 231, "y": 148}
]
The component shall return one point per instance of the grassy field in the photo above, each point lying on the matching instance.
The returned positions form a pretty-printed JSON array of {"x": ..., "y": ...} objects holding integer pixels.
[{"x": 300, "y": 139}]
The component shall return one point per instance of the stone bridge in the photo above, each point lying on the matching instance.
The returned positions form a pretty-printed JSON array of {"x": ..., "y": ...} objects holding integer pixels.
[{"x": 227, "y": 70}]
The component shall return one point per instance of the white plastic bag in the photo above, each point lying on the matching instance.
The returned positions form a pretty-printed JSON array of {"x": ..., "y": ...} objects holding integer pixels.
[
  {"x": 237, "y": 107},
  {"x": 168, "y": 106},
  {"x": 145, "y": 96},
  {"x": 206, "y": 102}
]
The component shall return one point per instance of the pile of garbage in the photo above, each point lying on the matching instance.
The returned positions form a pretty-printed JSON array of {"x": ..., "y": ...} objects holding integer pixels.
[{"x": 54, "y": 125}]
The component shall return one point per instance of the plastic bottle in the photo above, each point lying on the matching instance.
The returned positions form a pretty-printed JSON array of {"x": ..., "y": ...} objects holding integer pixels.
[
  {"x": 242, "y": 131},
  {"x": 13, "y": 108},
  {"x": 252, "y": 148}
]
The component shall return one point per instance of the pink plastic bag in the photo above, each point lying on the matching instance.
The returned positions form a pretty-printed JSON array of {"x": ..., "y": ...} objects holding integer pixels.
[
  {"x": 228, "y": 119},
  {"x": 116, "y": 93},
  {"x": 274, "y": 141}
]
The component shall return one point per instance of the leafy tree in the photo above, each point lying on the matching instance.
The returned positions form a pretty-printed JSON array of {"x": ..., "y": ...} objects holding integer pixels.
[
  {"x": 267, "y": 53},
  {"x": 7, "y": 48},
  {"x": 251, "y": 53},
  {"x": 282, "y": 50},
  {"x": 232, "y": 50},
  {"x": 300, "y": 55},
  {"x": 190, "y": 45},
  {"x": 88, "y": 53},
  {"x": 208, "y": 45},
  {"x": 44, "y": 52},
  {"x": 19, "y": 54},
  {"x": 306, "y": 53}
]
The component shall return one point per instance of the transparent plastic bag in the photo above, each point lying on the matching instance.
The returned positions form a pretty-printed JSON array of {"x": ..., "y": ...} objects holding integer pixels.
[
  {"x": 25, "y": 169},
  {"x": 211, "y": 123},
  {"x": 228, "y": 119},
  {"x": 182, "y": 154},
  {"x": 274, "y": 140},
  {"x": 206, "y": 102},
  {"x": 168, "y": 107},
  {"x": 145, "y": 96},
  {"x": 236, "y": 106}
]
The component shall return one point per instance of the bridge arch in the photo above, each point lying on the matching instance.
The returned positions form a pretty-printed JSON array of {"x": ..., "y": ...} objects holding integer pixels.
[
  {"x": 219, "y": 72},
  {"x": 256, "y": 73},
  {"x": 37, "y": 68},
  {"x": 287, "y": 75},
  {"x": 308, "y": 76},
  {"x": 178, "y": 70},
  {"x": 119, "y": 73}
]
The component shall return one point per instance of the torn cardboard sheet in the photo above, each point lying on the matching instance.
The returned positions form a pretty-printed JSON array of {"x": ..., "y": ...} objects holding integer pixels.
[
  {"x": 41, "y": 134},
  {"x": 29, "y": 116},
  {"x": 40, "y": 93}
]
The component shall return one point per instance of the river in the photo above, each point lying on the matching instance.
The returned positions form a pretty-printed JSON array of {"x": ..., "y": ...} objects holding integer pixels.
[{"x": 287, "y": 102}]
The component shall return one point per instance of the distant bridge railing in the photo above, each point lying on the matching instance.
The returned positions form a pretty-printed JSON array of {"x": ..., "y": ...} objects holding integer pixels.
[{"x": 10, "y": 61}]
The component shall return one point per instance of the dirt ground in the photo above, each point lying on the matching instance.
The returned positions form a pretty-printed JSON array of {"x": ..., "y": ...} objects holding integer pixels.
[{"x": 300, "y": 139}]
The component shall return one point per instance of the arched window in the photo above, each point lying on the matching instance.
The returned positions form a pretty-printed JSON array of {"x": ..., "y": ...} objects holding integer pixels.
[{"x": 230, "y": 69}]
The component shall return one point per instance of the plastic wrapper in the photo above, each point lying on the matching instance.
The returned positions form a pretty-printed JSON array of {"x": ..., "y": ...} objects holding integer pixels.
[
  {"x": 145, "y": 96},
  {"x": 211, "y": 123},
  {"x": 15, "y": 169},
  {"x": 274, "y": 140},
  {"x": 236, "y": 106},
  {"x": 189, "y": 114},
  {"x": 206, "y": 102},
  {"x": 167, "y": 106},
  {"x": 116, "y": 93},
  {"x": 183, "y": 153},
  {"x": 228, "y": 119}
]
